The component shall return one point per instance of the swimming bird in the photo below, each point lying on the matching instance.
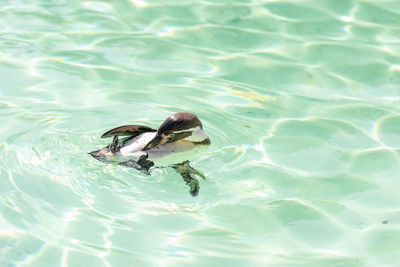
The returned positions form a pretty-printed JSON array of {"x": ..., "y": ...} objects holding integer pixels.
[{"x": 178, "y": 138}]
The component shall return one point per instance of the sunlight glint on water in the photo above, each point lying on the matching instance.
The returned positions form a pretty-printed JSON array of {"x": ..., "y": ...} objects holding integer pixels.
[{"x": 300, "y": 100}]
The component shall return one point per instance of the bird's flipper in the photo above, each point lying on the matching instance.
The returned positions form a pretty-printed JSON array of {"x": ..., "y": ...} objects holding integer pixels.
[
  {"x": 188, "y": 175},
  {"x": 115, "y": 145},
  {"x": 128, "y": 130},
  {"x": 143, "y": 164}
]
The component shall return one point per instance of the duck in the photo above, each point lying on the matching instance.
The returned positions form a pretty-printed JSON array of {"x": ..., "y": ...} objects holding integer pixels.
[{"x": 178, "y": 139}]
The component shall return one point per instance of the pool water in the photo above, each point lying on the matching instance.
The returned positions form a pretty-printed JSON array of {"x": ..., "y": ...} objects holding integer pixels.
[{"x": 300, "y": 100}]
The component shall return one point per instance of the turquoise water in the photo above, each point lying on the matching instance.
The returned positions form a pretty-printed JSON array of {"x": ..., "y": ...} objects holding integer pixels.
[{"x": 300, "y": 100}]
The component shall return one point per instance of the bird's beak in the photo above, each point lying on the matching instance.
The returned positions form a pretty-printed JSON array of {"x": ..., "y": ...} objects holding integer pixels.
[{"x": 153, "y": 143}]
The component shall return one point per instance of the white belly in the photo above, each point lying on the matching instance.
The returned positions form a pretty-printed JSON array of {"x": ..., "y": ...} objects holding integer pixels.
[
  {"x": 175, "y": 152},
  {"x": 164, "y": 155},
  {"x": 136, "y": 144}
]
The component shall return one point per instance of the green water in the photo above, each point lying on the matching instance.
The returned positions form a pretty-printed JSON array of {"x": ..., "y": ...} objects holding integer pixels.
[{"x": 300, "y": 100}]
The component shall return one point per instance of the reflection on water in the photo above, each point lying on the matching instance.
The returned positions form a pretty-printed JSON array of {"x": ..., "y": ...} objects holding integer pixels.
[{"x": 300, "y": 102}]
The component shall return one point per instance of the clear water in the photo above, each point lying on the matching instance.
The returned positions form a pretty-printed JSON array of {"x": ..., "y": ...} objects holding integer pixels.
[{"x": 300, "y": 99}]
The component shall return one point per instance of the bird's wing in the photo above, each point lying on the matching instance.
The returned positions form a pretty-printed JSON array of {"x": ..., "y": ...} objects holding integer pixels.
[{"x": 128, "y": 130}]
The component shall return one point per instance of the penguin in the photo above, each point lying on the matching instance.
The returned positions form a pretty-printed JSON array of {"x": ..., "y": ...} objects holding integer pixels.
[{"x": 178, "y": 138}]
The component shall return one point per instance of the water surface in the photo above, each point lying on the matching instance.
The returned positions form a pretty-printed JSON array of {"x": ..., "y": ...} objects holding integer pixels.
[{"x": 300, "y": 100}]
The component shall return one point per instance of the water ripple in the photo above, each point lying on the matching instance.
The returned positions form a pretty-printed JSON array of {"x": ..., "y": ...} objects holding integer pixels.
[{"x": 300, "y": 102}]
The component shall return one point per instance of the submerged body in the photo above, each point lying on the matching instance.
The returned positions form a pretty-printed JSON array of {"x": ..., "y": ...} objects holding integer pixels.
[
  {"x": 163, "y": 155},
  {"x": 179, "y": 138}
]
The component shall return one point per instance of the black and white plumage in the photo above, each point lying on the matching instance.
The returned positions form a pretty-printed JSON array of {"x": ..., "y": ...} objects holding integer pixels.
[{"x": 178, "y": 138}]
